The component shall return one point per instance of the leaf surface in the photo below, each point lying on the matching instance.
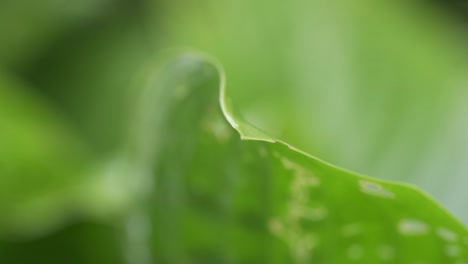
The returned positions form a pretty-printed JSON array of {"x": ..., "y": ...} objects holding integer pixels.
[
  {"x": 376, "y": 87},
  {"x": 221, "y": 199}
]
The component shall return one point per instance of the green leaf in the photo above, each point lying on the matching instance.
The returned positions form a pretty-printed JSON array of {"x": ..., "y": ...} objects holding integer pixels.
[
  {"x": 378, "y": 87},
  {"x": 370, "y": 85},
  {"x": 221, "y": 199},
  {"x": 206, "y": 195}
]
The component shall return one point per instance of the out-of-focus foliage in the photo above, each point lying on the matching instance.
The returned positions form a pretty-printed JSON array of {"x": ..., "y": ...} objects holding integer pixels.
[
  {"x": 29, "y": 27},
  {"x": 376, "y": 87}
]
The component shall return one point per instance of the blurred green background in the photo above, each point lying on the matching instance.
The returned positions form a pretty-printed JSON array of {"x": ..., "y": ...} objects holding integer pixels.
[{"x": 377, "y": 87}]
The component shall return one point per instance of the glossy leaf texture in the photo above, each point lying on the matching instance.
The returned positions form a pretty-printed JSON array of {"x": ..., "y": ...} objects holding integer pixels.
[
  {"x": 221, "y": 198},
  {"x": 378, "y": 87}
]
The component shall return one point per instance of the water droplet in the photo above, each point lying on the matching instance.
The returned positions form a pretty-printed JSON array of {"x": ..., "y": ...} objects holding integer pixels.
[
  {"x": 376, "y": 189},
  {"x": 412, "y": 227}
]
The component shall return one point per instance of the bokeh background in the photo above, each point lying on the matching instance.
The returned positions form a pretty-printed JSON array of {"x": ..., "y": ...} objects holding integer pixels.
[{"x": 377, "y": 87}]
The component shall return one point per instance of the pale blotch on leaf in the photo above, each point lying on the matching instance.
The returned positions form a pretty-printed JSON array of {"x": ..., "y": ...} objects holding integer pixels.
[
  {"x": 218, "y": 127},
  {"x": 262, "y": 152},
  {"x": 276, "y": 154},
  {"x": 303, "y": 176},
  {"x": 375, "y": 189},
  {"x": 296, "y": 210},
  {"x": 446, "y": 234},
  {"x": 412, "y": 227},
  {"x": 302, "y": 247},
  {"x": 452, "y": 250},
  {"x": 289, "y": 226},
  {"x": 355, "y": 251},
  {"x": 385, "y": 252},
  {"x": 316, "y": 213},
  {"x": 276, "y": 227},
  {"x": 299, "y": 243},
  {"x": 350, "y": 230}
]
